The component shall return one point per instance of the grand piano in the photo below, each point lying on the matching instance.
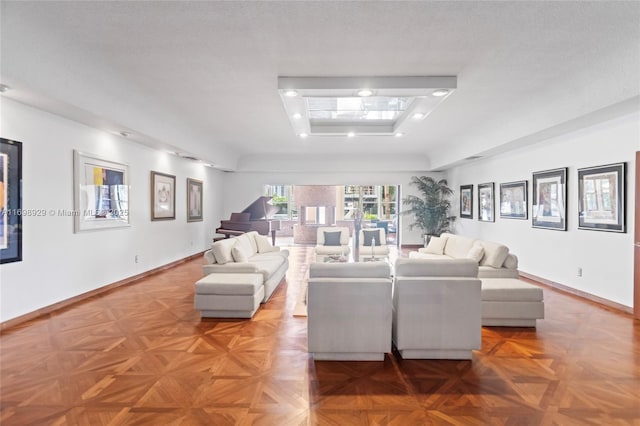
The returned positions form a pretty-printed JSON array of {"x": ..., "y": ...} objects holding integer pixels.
[{"x": 256, "y": 217}]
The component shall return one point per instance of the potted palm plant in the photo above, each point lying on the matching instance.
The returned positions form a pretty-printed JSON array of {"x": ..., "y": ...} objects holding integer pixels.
[{"x": 431, "y": 210}]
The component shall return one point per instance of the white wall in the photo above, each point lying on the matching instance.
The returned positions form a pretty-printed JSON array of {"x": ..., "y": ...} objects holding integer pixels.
[
  {"x": 58, "y": 263},
  {"x": 249, "y": 186},
  {"x": 606, "y": 258}
]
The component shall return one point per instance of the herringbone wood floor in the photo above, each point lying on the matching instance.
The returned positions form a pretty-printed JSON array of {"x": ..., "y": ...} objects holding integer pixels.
[{"x": 141, "y": 355}]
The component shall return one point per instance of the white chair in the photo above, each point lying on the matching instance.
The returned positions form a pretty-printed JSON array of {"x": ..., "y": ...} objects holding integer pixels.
[
  {"x": 330, "y": 244},
  {"x": 349, "y": 311},
  {"x": 437, "y": 308},
  {"x": 372, "y": 244}
]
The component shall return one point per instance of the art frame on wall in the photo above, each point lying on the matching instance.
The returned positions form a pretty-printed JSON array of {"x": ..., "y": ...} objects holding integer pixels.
[
  {"x": 163, "y": 196},
  {"x": 486, "y": 204},
  {"x": 101, "y": 193},
  {"x": 513, "y": 200},
  {"x": 466, "y": 201},
  {"x": 11, "y": 201},
  {"x": 549, "y": 199},
  {"x": 194, "y": 200},
  {"x": 602, "y": 197}
]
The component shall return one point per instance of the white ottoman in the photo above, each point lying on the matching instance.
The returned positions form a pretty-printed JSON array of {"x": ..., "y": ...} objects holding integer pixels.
[
  {"x": 222, "y": 295},
  {"x": 509, "y": 302}
]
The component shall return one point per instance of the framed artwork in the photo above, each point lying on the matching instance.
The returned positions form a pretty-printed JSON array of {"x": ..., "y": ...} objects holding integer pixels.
[
  {"x": 601, "y": 198},
  {"x": 485, "y": 202},
  {"x": 163, "y": 196},
  {"x": 194, "y": 200},
  {"x": 549, "y": 200},
  {"x": 11, "y": 201},
  {"x": 101, "y": 193},
  {"x": 513, "y": 200},
  {"x": 466, "y": 201}
]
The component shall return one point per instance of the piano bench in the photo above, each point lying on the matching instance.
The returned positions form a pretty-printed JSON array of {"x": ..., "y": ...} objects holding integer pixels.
[{"x": 229, "y": 295}]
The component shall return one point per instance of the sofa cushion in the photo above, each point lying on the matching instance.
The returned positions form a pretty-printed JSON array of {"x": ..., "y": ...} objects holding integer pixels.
[
  {"x": 332, "y": 238},
  {"x": 476, "y": 253},
  {"x": 248, "y": 243},
  {"x": 511, "y": 262},
  {"x": 253, "y": 239},
  {"x": 510, "y": 290},
  {"x": 350, "y": 270},
  {"x": 423, "y": 255},
  {"x": 239, "y": 254},
  {"x": 267, "y": 265},
  {"x": 264, "y": 245},
  {"x": 436, "y": 245},
  {"x": 371, "y": 235},
  {"x": 222, "y": 250},
  {"x": 494, "y": 254},
  {"x": 210, "y": 257},
  {"x": 419, "y": 267},
  {"x": 457, "y": 246}
]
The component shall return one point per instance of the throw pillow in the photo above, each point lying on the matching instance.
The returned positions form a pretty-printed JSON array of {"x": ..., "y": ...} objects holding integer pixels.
[
  {"x": 494, "y": 254},
  {"x": 511, "y": 262},
  {"x": 476, "y": 253},
  {"x": 264, "y": 246},
  {"x": 371, "y": 235},
  {"x": 239, "y": 254},
  {"x": 332, "y": 238},
  {"x": 222, "y": 250},
  {"x": 436, "y": 245}
]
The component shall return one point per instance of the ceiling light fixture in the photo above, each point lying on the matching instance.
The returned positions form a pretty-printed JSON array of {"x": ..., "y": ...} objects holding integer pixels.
[
  {"x": 350, "y": 134},
  {"x": 399, "y": 135},
  {"x": 366, "y": 105},
  {"x": 4, "y": 88},
  {"x": 303, "y": 135}
]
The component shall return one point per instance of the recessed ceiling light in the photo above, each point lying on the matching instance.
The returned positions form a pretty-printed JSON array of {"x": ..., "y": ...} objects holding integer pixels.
[
  {"x": 303, "y": 135},
  {"x": 399, "y": 135},
  {"x": 418, "y": 116},
  {"x": 350, "y": 134},
  {"x": 297, "y": 116},
  {"x": 4, "y": 88},
  {"x": 440, "y": 92},
  {"x": 365, "y": 92},
  {"x": 291, "y": 93}
]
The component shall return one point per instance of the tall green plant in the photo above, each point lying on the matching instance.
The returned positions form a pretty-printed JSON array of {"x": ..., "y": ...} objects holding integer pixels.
[{"x": 431, "y": 211}]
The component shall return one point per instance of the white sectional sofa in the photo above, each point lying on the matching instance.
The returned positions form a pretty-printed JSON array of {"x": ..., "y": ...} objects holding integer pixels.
[
  {"x": 349, "y": 311},
  {"x": 249, "y": 253},
  {"x": 494, "y": 259}
]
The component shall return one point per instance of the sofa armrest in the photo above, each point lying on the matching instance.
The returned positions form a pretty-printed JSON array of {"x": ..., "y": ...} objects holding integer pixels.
[{"x": 238, "y": 268}]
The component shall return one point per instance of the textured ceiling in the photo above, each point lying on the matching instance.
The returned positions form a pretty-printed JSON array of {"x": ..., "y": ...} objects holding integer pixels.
[{"x": 201, "y": 77}]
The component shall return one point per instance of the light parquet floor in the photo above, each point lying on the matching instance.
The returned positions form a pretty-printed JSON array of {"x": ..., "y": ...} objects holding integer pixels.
[{"x": 141, "y": 355}]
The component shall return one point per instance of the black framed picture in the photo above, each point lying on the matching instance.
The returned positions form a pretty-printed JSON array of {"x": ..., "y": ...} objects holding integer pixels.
[
  {"x": 549, "y": 200},
  {"x": 486, "y": 209},
  {"x": 513, "y": 200},
  {"x": 10, "y": 201},
  {"x": 601, "y": 198},
  {"x": 466, "y": 201}
]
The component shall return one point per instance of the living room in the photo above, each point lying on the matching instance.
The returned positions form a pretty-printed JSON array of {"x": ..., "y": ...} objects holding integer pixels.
[{"x": 578, "y": 127}]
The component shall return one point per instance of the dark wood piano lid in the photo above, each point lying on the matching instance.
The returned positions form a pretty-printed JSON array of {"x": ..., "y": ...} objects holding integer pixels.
[{"x": 260, "y": 208}]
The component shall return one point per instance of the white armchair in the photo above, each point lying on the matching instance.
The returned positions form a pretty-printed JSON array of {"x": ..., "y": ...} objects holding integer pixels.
[
  {"x": 349, "y": 311},
  {"x": 372, "y": 243},
  {"x": 437, "y": 308},
  {"x": 329, "y": 243}
]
